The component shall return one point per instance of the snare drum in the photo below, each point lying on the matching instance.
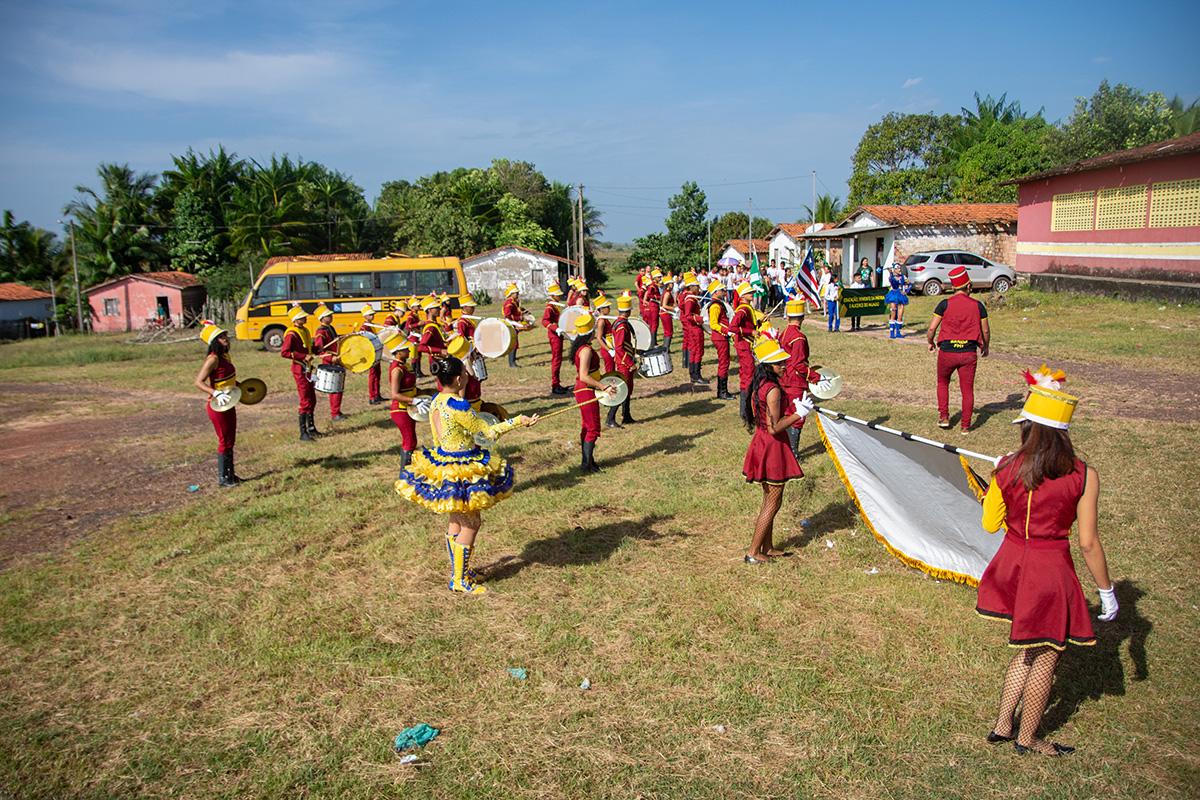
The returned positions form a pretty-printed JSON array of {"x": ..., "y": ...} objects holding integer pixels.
[
  {"x": 359, "y": 352},
  {"x": 330, "y": 379},
  {"x": 479, "y": 367},
  {"x": 493, "y": 339},
  {"x": 655, "y": 363},
  {"x": 641, "y": 335}
]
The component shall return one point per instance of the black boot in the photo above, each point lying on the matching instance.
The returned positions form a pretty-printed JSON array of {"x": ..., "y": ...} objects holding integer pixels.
[
  {"x": 699, "y": 379},
  {"x": 223, "y": 470},
  {"x": 583, "y": 455},
  {"x": 626, "y": 417},
  {"x": 589, "y": 457},
  {"x": 405, "y": 460},
  {"x": 559, "y": 390},
  {"x": 667, "y": 347},
  {"x": 794, "y": 440},
  {"x": 312, "y": 425},
  {"x": 305, "y": 436},
  {"x": 611, "y": 420},
  {"x": 230, "y": 475},
  {"x": 723, "y": 388},
  {"x": 512, "y": 358}
]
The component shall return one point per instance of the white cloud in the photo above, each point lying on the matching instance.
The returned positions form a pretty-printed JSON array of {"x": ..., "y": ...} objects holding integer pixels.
[
  {"x": 911, "y": 82},
  {"x": 1101, "y": 59}
]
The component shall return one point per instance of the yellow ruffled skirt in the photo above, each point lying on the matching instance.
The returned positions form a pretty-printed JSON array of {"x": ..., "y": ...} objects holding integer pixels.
[{"x": 449, "y": 482}]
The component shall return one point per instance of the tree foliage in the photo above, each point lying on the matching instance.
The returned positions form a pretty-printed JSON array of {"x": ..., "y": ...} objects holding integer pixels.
[
  {"x": 117, "y": 229},
  {"x": 902, "y": 159},
  {"x": 829, "y": 209},
  {"x": 1113, "y": 118},
  {"x": 30, "y": 255},
  {"x": 734, "y": 225}
]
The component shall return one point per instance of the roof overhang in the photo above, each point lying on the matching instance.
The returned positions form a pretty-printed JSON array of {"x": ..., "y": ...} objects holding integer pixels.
[{"x": 847, "y": 233}]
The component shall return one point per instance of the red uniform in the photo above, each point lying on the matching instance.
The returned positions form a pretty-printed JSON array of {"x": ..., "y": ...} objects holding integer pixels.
[
  {"x": 718, "y": 321},
  {"x": 769, "y": 458},
  {"x": 297, "y": 347},
  {"x": 796, "y": 374},
  {"x": 410, "y": 323},
  {"x": 1031, "y": 580},
  {"x": 550, "y": 323},
  {"x": 604, "y": 329},
  {"x": 464, "y": 327},
  {"x": 512, "y": 312},
  {"x": 373, "y": 372},
  {"x": 224, "y": 422},
  {"x": 399, "y": 408},
  {"x": 665, "y": 310},
  {"x": 693, "y": 328},
  {"x": 624, "y": 343},
  {"x": 960, "y": 334},
  {"x": 432, "y": 340},
  {"x": 742, "y": 325},
  {"x": 326, "y": 345},
  {"x": 651, "y": 308},
  {"x": 590, "y": 413}
]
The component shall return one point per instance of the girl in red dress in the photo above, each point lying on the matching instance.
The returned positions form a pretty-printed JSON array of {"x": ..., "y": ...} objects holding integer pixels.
[
  {"x": 587, "y": 382},
  {"x": 218, "y": 374},
  {"x": 769, "y": 459},
  {"x": 1037, "y": 494},
  {"x": 403, "y": 385}
]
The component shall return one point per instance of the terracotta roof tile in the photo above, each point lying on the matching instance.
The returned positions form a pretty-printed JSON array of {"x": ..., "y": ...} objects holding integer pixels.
[
  {"x": 742, "y": 246},
  {"x": 793, "y": 229},
  {"x": 945, "y": 213},
  {"x": 181, "y": 280},
  {"x": 19, "y": 291},
  {"x": 1171, "y": 147}
]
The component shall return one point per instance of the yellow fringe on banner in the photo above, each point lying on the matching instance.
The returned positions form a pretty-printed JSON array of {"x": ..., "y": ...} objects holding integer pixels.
[
  {"x": 908, "y": 560},
  {"x": 976, "y": 487}
]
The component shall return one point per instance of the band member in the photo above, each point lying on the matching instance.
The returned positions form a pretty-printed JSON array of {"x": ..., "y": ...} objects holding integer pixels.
[
  {"x": 410, "y": 323},
  {"x": 666, "y": 310},
  {"x": 693, "y": 329},
  {"x": 796, "y": 373},
  {"x": 769, "y": 460},
  {"x": 573, "y": 291},
  {"x": 555, "y": 335},
  {"x": 718, "y": 323},
  {"x": 392, "y": 318},
  {"x": 684, "y": 325},
  {"x": 403, "y": 385},
  {"x": 462, "y": 349},
  {"x": 217, "y": 374},
  {"x": 433, "y": 339},
  {"x": 651, "y": 304},
  {"x": 604, "y": 329},
  {"x": 897, "y": 300},
  {"x": 297, "y": 348},
  {"x": 960, "y": 326},
  {"x": 587, "y": 382},
  {"x": 512, "y": 311},
  {"x": 326, "y": 345},
  {"x": 464, "y": 326},
  {"x": 368, "y": 326},
  {"x": 744, "y": 333},
  {"x": 1036, "y": 494},
  {"x": 624, "y": 343},
  {"x": 467, "y": 481}
]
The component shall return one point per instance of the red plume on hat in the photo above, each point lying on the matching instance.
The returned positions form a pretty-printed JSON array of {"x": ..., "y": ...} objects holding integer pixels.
[{"x": 1046, "y": 378}]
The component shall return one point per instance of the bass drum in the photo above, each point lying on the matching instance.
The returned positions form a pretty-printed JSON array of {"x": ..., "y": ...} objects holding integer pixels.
[
  {"x": 493, "y": 338},
  {"x": 641, "y": 335},
  {"x": 566, "y": 320}
]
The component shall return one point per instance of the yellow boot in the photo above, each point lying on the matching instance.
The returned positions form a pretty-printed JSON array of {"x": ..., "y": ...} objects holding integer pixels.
[{"x": 458, "y": 581}]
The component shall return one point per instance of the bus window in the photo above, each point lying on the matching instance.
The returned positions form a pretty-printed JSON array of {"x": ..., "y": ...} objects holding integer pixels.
[
  {"x": 272, "y": 289},
  {"x": 394, "y": 283},
  {"x": 436, "y": 280},
  {"x": 310, "y": 287},
  {"x": 352, "y": 284}
]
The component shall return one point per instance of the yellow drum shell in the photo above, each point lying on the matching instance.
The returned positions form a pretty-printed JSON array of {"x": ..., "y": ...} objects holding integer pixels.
[{"x": 361, "y": 351}]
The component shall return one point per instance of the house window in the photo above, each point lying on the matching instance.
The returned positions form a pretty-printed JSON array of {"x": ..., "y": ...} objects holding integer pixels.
[
  {"x": 1175, "y": 204},
  {"x": 112, "y": 307},
  {"x": 1073, "y": 211},
  {"x": 1121, "y": 207},
  {"x": 535, "y": 277}
]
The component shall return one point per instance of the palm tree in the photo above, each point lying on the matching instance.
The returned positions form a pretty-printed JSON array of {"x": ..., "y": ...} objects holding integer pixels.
[
  {"x": 829, "y": 209},
  {"x": 268, "y": 214},
  {"x": 118, "y": 231},
  {"x": 1184, "y": 121}
]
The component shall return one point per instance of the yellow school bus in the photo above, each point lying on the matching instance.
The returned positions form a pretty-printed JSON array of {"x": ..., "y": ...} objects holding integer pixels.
[{"x": 345, "y": 285}]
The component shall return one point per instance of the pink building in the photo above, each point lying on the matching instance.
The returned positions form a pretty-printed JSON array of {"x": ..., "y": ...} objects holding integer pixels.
[
  {"x": 1130, "y": 214},
  {"x": 134, "y": 301}
]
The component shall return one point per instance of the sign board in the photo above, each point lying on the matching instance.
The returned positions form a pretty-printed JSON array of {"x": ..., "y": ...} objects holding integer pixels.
[{"x": 863, "y": 302}]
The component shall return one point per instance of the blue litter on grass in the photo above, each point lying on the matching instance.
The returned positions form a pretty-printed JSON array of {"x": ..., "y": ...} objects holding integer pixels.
[
  {"x": 518, "y": 672},
  {"x": 195, "y": 487},
  {"x": 416, "y": 736}
]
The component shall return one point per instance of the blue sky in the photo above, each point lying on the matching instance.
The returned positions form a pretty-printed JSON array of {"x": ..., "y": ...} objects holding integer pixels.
[{"x": 631, "y": 99}]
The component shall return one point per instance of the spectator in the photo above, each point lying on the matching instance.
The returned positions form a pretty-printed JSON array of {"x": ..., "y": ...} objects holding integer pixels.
[
  {"x": 832, "y": 296},
  {"x": 822, "y": 282},
  {"x": 958, "y": 329},
  {"x": 865, "y": 274},
  {"x": 856, "y": 321}
]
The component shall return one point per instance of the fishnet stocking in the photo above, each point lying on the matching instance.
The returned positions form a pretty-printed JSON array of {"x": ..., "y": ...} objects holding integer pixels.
[
  {"x": 1027, "y": 683},
  {"x": 764, "y": 525}
]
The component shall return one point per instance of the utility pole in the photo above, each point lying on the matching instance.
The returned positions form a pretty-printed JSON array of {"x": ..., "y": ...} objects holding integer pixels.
[
  {"x": 814, "y": 205},
  {"x": 709, "y": 254},
  {"x": 581, "y": 252},
  {"x": 75, "y": 269},
  {"x": 54, "y": 306},
  {"x": 574, "y": 237}
]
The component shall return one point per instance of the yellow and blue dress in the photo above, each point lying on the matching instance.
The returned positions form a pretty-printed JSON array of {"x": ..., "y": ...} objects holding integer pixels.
[{"x": 456, "y": 474}]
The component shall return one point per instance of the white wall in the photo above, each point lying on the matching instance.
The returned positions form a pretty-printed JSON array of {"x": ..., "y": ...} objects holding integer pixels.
[
  {"x": 784, "y": 249},
  {"x": 731, "y": 252},
  {"x": 491, "y": 273}
]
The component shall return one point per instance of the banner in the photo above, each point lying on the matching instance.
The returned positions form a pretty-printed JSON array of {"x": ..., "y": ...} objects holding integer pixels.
[
  {"x": 863, "y": 302},
  {"x": 923, "y": 503}
]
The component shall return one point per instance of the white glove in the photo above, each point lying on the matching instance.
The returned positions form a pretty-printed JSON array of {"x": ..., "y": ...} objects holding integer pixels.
[
  {"x": 559, "y": 331},
  {"x": 220, "y": 397},
  {"x": 1108, "y": 604},
  {"x": 803, "y": 406}
]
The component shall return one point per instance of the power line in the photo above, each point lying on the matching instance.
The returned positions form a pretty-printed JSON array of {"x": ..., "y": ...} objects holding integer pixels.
[{"x": 709, "y": 185}]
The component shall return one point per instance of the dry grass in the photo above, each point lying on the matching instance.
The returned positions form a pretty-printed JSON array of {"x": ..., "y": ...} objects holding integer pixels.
[{"x": 270, "y": 641}]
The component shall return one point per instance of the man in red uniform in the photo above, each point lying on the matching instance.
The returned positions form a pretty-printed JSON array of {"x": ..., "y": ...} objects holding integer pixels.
[
  {"x": 325, "y": 344},
  {"x": 796, "y": 373},
  {"x": 463, "y": 326},
  {"x": 718, "y": 326},
  {"x": 433, "y": 340},
  {"x": 651, "y": 297},
  {"x": 693, "y": 329},
  {"x": 297, "y": 348},
  {"x": 555, "y": 335},
  {"x": 603, "y": 335},
  {"x": 403, "y": 385},
  {"x": 512, "y": 312},
  {"x": 666, "y": 310},
  {"x": 624, "y": 345},
  {"x": 959, "y": 327},
  {"x": 744, "y": 333},
  {"x": 410, "y": 323},
  {"x": 368, "y": 325}
]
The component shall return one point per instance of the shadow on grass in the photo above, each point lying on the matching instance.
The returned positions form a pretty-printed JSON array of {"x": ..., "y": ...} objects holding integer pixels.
[
  {"x": 1012, "y": 403},
  {"x": 837, "y": 515},
  {"x": 703, "y": 406},
  {"x": 356, "y": 461},
  {"x": 668, "y": 445},
  {"x": 579, "y": 545},
  {"x": 1089, "y": 673}
]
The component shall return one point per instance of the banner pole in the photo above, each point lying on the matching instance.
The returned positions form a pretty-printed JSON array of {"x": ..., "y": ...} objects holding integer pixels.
[{"x": 912, "y": 437}]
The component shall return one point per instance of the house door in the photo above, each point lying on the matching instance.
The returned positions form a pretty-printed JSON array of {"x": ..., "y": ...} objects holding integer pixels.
[
  {"x": 163, "y": 308},
  {"x": 537, "y": 281}
]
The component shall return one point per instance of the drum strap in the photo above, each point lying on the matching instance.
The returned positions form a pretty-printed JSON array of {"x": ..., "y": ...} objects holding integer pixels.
[{"x": 305, "y": 336}]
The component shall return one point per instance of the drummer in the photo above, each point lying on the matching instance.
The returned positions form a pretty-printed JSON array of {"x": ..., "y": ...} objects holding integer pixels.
[
  {"x": 796, "y": 374},
  {"x": 625, "y": 345},
  {"x": 604, "y": 328},
  {"x": 666, "y": 311},
  {"x": 433, "y": 340},
  {"x": 718, "y": 325},
  {"x": 513, "y": 313},
  {"x": 403, "y": 385},
  {"x": 326, "y": 345},
  {"x": 744, "y": 333},
  {"x": 573, "y": 291},
  {"x": 297, "y": 348},
  {"x": 368, "y": 326},
  {"x": 464, "y": 326},
  {"x": 216, "y": 374},
  {"x": 555, "y": 335},
  {"x": 410, "y": 323},
  {"x": 651, "y": 303},
  {"x": 392, "y": 318},
  {"x": 587, "y": 381},
  {"x": 693, "y": 328}
]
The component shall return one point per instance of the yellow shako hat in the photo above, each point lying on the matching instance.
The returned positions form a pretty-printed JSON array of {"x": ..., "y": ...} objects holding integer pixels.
[{"x": 1046, "y": 403}]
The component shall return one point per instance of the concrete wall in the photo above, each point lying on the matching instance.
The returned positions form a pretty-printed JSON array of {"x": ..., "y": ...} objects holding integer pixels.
[
  {"x": 25, "y": 309},
  {"x": 786, "y": 250},
  {"x": 137, "y": 302},
  {"x": 994, "y": 242},
  {"x": 491, "y": 273}
]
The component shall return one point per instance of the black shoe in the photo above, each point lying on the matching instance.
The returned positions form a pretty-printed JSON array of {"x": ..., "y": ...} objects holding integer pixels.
[
  {"x": 375, "y": 401},
  {"x": 339, "y": 418},
  {"x": 312, "y": 425},
  {"x": 995, "y": 738},
  {"x": 223, "y": 470},
  {"x": 305, "y": 436},
  {"x": 589, "y": 457},
  {"x": 1059, "y": 750},
  {"x": 611, "y": 420},
  {"x": 230, "y": 476},
  {"x": 559, "y": 390}
]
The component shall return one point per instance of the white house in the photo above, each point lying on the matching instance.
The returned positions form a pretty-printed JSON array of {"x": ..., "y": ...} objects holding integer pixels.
[
  {"x": 739, "y": 249},
  {"x": 532, "y": 271},
  {"x": 23, "y": 309},
  {"x": 786, "y": 248}
]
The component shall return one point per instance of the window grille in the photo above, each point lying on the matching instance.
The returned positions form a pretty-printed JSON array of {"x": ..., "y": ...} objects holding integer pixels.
[
  {"x": 1073, "y": 211},
  {"x": 1121, "y": 207},
  {"x": 1175, "y": 204}
]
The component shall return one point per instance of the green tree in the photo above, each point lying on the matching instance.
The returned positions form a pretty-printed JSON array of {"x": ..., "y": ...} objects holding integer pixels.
[
  {"x": 29, "y": 254},
  {"x": 192, "y": 238},
  {"x": 651, "y": 250},
  {"x": 734, "y": 225},
  {"x": 518, "y": 228},
  {"x": 1002, "y": 153},
  {"x": 829, "y": 209},
  {"x": 687, "y": 228},
  {"x": 116, "y": 227},
  {"x": 1185, "y": 120},
  {"x": 1113, "y": 118},
  {"x": 269, "y": 214},
  {"x": 902, "y": 159},
  {"x": 338, "y": 207}
]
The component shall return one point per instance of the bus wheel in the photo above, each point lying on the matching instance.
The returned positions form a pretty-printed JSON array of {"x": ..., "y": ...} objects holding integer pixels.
[{"x": 273, "y": 338}]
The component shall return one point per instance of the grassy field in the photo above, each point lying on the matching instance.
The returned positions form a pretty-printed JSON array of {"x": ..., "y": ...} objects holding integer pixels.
[{"x": 271, "y": 640}]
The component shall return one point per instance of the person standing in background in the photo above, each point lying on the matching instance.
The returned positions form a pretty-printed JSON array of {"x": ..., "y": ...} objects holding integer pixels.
[
  {"x": 855, "y": 320},
  {"x": 959, "y": 331},
  {"x": 832, "y": 298},
  {"x": 368, "y": 326}
]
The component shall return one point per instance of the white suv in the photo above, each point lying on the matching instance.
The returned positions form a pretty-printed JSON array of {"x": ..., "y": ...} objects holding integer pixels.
[{"x": 930, "y": 272}]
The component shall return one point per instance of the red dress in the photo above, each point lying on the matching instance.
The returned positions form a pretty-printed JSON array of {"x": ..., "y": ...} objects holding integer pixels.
[
  {"x": 224, "y": 423},
  {"x": 1031, "y": 580},
  {"x": 590, "y": 414},
  {"x": 769, "y": 459}
]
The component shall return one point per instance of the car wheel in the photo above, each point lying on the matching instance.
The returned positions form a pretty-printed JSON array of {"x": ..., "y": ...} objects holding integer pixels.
[
  {"x": 273, "y": 339},
  {"x": 932, "y": 288},
  {"x": 1001, "y": 284}
]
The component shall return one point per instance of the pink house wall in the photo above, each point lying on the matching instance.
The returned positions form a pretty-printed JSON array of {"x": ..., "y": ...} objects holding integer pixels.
[
  {"x": 1034, "y": 217},
  {"x": 137, "y": 301}
]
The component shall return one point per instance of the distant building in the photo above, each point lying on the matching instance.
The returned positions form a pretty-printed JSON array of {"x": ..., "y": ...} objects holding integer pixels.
[
  {"x": 532, "y": 271},
  {"x": 24, "y": 311},
  {"x": 740, "y": 249},
  {"x": 887, "y": 234},
  {"x": 133, "y": 302},
  {"x": 788, "y": 246},
  {"x": 1132, "y": 214}
]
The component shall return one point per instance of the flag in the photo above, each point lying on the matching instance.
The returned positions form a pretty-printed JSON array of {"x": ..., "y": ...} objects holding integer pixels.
[
  {"x": 805, "y": 280},
  {"x": 941, "y": 531},
  {"x": 756, "y": 278}
]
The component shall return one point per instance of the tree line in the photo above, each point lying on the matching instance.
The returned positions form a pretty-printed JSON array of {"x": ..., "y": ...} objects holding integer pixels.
[{"x": 220, "y": 217}]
